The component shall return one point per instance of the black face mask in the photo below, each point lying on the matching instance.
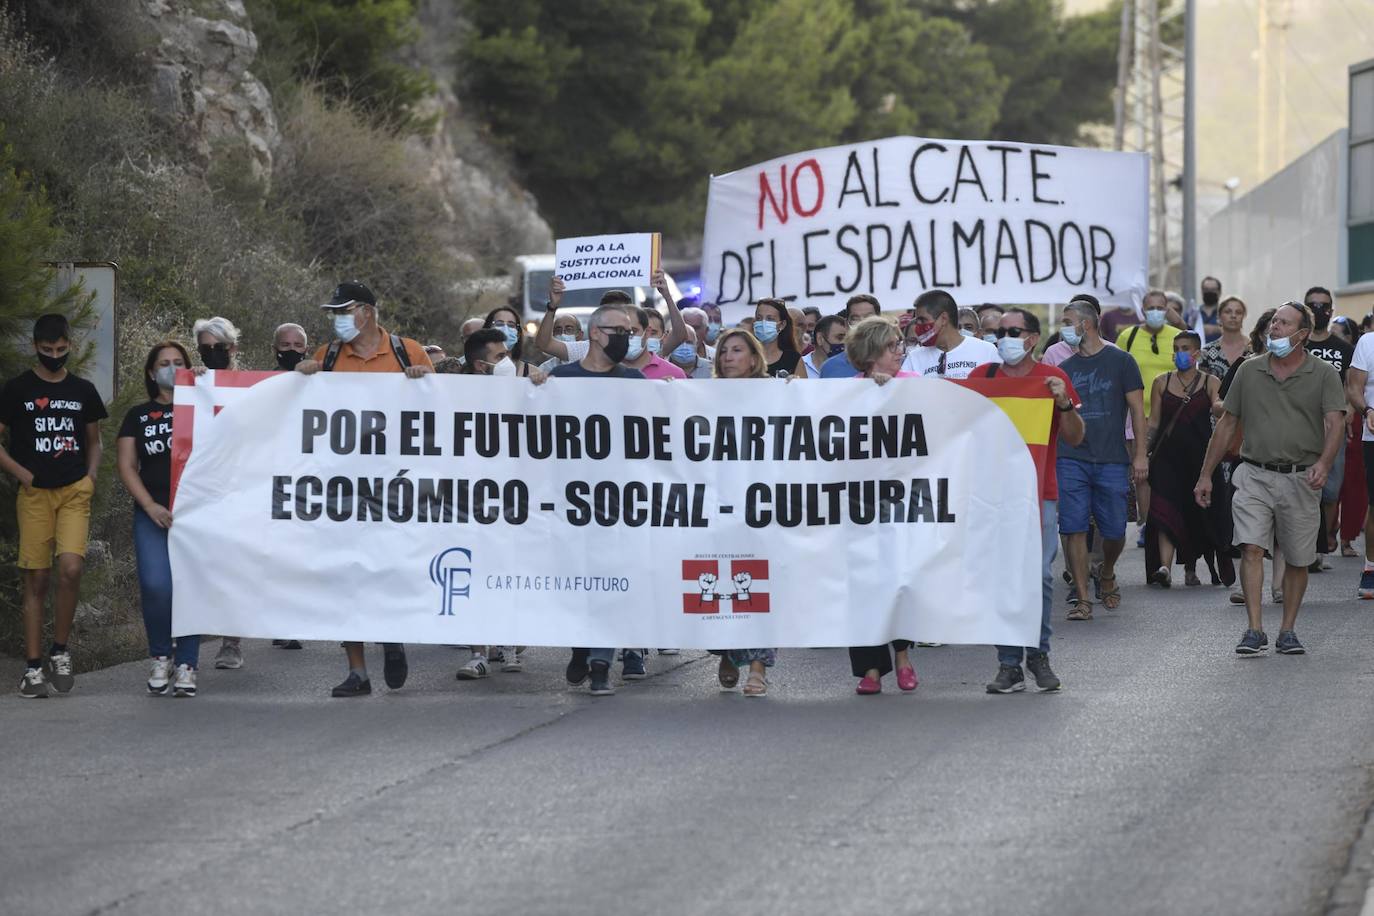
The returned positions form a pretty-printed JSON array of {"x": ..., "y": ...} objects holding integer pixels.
[
  {"x": 1210, "y": 297},
  {"x": 214, "y": 356},
  {"x": 1321, "y": 318},
  {"x": 617, "y": 348},
  {"x": 287, "y": 359},
  {"x": 53, "y": 363}
]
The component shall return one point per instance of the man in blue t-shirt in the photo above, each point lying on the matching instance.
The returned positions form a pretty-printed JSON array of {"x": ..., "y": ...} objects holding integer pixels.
[{"x": 1093, "y": 475}]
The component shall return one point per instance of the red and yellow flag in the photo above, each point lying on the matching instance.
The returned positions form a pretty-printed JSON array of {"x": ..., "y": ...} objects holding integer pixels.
[{"x": 1029, "y": 405}]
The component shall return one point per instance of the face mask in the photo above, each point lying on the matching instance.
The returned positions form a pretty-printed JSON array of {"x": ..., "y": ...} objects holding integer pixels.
[
  {"x": 512, "y": 336},
  {"x": 925, "y": 332},
  {"x": 712, "y": 331},
  {"x": 1069, "y": 334},
  {"x": 685, "y": 353},
  {"x": 217, "y": 357},
  {"x": 287, "y": 359},
  {"x": 166, "y": 377},
  {"x": 1321, "y": 319},
  {"x": 505, "y": 368},
  {"x": 53, "y": 363},
  {"x": 1210, "y": 298},
  {"x": 653, "y": 345},
  {"x": 990, "y": 338},
  {"x": 1280, "y": 346},
  {"x": 617, "y": 347},
  {"x": 766, "y": 331},
  {"x": 635, "y": 348},
  {"x": 1183, "y": 361},
  {"x": 1154, "y": 319},
  {"x": 967, "y": 333},
  {"x": 1012, "y": 350},
  {"x": 345, "y": 328},
  {"x": 566, "y": 338}
]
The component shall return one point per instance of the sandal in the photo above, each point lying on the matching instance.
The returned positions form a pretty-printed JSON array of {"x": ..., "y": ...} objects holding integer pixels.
[
  {"x": 1111, "y": 597},
  {"x": 1083, "y": 610},
  {"x": 756, "y": 686},
  {"x": 727, "y": 673},
  {"x": 1348, "y": 549},
  {"x": 1190, "y": 578}
]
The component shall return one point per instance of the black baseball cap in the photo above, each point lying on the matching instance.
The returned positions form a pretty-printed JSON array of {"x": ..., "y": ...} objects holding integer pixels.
[{"x": 350, "y": 292}]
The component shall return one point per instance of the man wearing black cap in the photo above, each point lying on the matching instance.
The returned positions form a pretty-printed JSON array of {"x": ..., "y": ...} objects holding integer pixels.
[{"x": 360, "y": 344}]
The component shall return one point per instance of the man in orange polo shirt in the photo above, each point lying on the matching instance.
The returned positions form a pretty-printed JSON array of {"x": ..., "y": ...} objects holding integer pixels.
[{"x": 360, "y": 344}]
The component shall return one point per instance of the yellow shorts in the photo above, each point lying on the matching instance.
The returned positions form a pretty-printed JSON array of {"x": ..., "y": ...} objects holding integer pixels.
[{"x": 53, "y": 521}]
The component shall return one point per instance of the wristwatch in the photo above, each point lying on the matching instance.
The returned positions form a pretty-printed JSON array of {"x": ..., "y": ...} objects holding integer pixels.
[
  {"x": 1064, "y": 409},
  {"x": 549, "y": 306}
]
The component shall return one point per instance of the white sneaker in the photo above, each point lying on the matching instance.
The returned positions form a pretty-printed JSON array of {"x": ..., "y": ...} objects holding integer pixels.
[
  {"x": 185, "y": 685},
  {"x": 475, "y": 669},
  {"x": 33, "y": 685},
  {"x": 230, "y": 656},
  {"x": 514, "y": 660},
  {"x": 160, "y": 676}
]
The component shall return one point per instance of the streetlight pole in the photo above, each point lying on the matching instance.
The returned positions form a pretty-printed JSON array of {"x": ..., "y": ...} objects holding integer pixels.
[{"x": 1189, "y": 278}]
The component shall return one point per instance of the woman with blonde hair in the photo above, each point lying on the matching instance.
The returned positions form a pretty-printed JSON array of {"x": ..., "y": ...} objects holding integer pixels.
[
  {"x": 876, "y": 348},
  {"x": 740, "y": 355}
]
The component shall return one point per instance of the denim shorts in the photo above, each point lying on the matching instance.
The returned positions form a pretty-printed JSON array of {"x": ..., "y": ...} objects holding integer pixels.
[{"x": 1092, "y": 491}]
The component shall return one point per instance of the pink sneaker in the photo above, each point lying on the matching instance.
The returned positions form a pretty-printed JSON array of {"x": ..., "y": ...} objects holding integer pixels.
[
  {"x": 869, "y": 685},
  {"x": 906, "y": 678}
]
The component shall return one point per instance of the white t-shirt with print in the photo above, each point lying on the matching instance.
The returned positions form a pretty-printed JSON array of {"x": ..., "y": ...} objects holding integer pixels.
[
  {"x": 959, "y": 362},
  {"x": 1364, "y": 361}
]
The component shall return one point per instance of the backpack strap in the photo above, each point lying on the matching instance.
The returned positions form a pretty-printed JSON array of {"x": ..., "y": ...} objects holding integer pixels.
[
  {"x": 331, "y": 356},
  {"x": 398, "y": 347},
  {"x": 1130, "y": 341},
  {"x": 991, "y": 371}
]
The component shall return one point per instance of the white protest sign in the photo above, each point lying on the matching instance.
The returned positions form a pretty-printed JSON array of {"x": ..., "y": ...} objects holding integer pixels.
[
  {"x": 595, "y": 261},
  {"x": 989, "y": 221},
  {"x": 717, "y": 514}
]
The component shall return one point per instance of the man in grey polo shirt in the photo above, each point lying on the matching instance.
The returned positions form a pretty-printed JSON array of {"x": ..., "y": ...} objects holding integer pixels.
[{"x": 1290, "y": 405}]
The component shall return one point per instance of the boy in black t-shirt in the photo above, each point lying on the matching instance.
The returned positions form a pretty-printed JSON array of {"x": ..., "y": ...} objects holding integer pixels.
[{"x": 53, "y": 418}]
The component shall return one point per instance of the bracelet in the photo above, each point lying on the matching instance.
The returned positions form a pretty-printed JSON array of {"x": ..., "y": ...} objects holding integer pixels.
[
  {"x": 1064, "y": 409},
  {"x": 549, "y": 306}
]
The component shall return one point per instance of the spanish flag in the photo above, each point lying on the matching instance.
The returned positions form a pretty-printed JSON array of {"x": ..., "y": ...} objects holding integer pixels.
[{"x": 1030, "y": 406}]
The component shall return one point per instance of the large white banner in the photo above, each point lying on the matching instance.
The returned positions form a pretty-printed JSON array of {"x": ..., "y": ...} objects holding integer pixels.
[
  {"x": 990, "y": 221},
  {"x": 710, "y": 514}
]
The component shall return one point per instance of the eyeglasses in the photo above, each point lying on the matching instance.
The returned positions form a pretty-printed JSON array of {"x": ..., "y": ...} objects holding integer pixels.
[
  {"x": 1014, "y": 332},
  {"x": 214, "y": 348},
  {"x": 897, "y": 348},
  {"x": 614, "y": 331},
  {"x": 505, "y": 324},
  {"x": 1318, "y": 306}
]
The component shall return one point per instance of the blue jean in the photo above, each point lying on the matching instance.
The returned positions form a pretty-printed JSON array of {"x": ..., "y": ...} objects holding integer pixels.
[
  {"x": 1331, "y": 490},
  {"x": 1049, "y": 548},
  {"x": 155, "y": 586},
  {"x": 608, "y": 655},
  {"x": 1093, "y": 492}
]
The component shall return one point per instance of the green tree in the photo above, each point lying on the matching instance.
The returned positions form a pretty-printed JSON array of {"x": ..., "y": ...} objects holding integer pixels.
[
  {"x": 347, "y": 47},
  {"x": 27, "y": 238},
  {"x": 1060, "y": 71}
]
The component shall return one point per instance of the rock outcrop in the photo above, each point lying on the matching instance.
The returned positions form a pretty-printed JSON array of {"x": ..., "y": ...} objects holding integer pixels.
[{"x": 201, "y": 81}]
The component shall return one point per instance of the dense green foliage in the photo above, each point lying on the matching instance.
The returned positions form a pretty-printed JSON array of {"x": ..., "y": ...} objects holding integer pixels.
[{"x": 616, "y": 110}]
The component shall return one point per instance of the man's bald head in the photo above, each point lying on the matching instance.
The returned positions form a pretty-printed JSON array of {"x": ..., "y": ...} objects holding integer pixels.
[
  {"x": 696, "y": 318},
  {"x": 469, "y": 326}
]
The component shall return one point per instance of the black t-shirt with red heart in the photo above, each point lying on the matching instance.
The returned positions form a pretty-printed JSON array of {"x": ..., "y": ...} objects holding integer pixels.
[
  {"x": 150, "y": 426},
  {"x": 47, "y": 424}
]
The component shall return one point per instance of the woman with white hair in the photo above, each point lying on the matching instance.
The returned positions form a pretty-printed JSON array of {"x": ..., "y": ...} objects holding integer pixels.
[{"x": 217, "y": 343}]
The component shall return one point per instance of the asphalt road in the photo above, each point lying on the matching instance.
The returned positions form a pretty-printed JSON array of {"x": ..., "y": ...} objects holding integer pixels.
[{"x": 1168, "y": 777}]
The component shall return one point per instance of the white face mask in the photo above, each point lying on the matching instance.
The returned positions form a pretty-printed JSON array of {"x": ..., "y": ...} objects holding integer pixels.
[
  {"x": 1012, "y": 350},
  {"x": 1154, "y": 319},
  {"x": 345, "y": 328},
  {"x": 636, "y": 348},
  {"x": 653, "y": 345},
  {"x": 505, "y": 367}
]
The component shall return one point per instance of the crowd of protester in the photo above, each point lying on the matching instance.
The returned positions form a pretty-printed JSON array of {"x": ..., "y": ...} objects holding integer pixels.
[{"x": 1220, "y": 446}]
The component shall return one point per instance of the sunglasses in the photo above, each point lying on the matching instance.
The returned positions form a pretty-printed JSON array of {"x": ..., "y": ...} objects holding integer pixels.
[
  {"x": 614, "y": 332},
  {"x": 1014, "y": 332}
]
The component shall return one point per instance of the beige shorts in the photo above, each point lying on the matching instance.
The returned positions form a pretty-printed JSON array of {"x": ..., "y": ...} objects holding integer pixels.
[
  {"x": 53, "y": 521},
  {"x": 1269, "y": 506}
]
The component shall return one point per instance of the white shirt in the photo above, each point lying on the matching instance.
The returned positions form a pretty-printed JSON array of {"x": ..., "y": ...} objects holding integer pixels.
[
  {"x": 1364, "y": 361},
  {"x": 959, "y": 362}
]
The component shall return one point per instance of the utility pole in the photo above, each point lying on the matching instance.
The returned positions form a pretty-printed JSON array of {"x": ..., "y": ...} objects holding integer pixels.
[{"x": 1189, "y": 281}]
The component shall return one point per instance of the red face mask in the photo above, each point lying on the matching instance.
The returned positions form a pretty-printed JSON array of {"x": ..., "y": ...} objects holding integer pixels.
[{"x": 924, "y": 331}]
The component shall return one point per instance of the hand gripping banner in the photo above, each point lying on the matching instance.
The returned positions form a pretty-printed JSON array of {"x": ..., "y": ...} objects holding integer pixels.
[{"x": 704, "y": 514}]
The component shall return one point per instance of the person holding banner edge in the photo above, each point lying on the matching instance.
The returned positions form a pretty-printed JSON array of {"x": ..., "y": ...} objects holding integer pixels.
[
  {"x": 361, "y": 344},
  {"x": 1018, "y": 333},
  {"x": 573, "y": 351},
  {"x": 608, "y": 337},
  {"x": 875, "y": 346}
]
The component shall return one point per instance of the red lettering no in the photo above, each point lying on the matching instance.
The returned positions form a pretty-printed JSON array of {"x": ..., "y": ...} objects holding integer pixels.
[{"x": 793, "y": 198}]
